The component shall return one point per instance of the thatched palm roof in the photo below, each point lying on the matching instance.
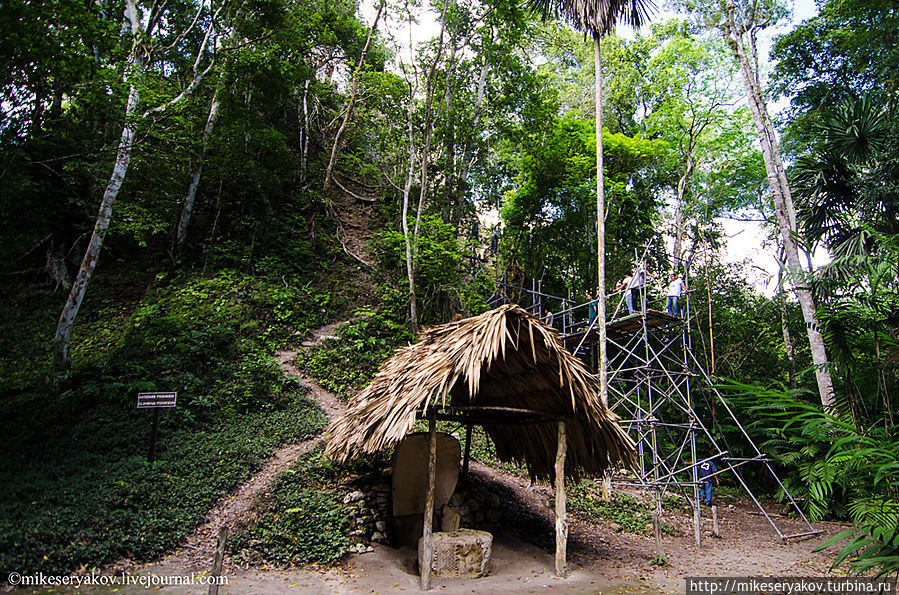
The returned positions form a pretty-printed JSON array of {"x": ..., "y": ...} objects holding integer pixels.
[{"x": 506, "y": 371}]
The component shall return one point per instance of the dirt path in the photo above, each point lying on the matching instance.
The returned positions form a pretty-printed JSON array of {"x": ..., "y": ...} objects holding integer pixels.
[{"x": 235, "y": 510}]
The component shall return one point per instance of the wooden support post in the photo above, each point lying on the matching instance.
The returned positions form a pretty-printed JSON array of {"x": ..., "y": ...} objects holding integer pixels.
[
  {"x": 561, "y": 516},
  {"x": 154, "y": 434},
  {"x": 467, "y": 457},
  {"x": 218, "y": 560},
  {"x": 426, "y": 557},
  {"x": 715, "y": 521}
]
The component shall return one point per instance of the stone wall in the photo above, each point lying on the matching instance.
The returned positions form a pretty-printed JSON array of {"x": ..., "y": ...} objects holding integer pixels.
[
  {"x": 370, "y": 515},
  {"x": 479, "y": 507},
  {"x": 371, "y": 519}
]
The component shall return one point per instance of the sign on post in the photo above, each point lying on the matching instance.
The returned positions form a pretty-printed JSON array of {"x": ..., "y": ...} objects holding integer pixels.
[{"x": 155, "y": 401}]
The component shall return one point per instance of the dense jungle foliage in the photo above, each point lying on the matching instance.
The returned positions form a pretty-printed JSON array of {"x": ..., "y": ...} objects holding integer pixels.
[{"x": 185, "y": 187}]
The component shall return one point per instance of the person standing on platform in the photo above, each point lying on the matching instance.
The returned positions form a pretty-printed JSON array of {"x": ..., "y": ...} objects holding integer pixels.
[
  {"x": 548, "y": 317},
  {"x": 676, "y": 288},
  {"x": 494, "y": 239},
  {"x": 591, "y": 308},
  {"x": 707, "y": 472},
  {"x": 625, "y": 286},
  {"x": 638, "y": 286}
]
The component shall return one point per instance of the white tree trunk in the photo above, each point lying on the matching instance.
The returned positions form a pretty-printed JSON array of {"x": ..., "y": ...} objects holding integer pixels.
[
  {"x": 600, "y": 231},
  {"x": 467, "y": 158},
  {"x": 601, "y": 247},
  {"x": 137, "y": 62},
  {"x": 181, "y": 234},
  {"x": 62, "y": 341},
  {"x": 407, "y": 189},
  {"x": 783, "y": 201},
  {"x": 429, "y": 125},
  {"x": 680, "y": 219},
  {"x": 304, "y": 135},
  {"x": 426, "y": 148}
]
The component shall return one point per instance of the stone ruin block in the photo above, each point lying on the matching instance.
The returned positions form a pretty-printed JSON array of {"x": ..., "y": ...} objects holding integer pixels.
[{"x": 457, "y": 554}]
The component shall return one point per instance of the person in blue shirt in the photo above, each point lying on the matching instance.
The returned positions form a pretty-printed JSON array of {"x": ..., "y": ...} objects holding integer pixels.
[{"x": 707, "y": 472}]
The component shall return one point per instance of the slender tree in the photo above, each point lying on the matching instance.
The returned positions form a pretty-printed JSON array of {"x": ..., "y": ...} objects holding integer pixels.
[
  {"x": 353, "y": 92},
  {"x": 740, "y": 25},
  {"x": 142, "y": 29}
]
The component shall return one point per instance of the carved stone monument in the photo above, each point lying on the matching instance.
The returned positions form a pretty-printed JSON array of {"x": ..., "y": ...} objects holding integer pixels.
[{"x": 463, "y": 553}]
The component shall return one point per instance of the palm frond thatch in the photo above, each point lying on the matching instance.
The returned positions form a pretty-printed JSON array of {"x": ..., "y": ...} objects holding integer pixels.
[
  {"x": 487, "y": 367},
  {"x": 596, "y": 17}
]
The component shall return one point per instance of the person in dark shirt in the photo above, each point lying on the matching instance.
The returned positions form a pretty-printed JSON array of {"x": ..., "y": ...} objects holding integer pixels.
[
  {"x": 707, "y": 471},
  {"x": 591, "y": 308}
]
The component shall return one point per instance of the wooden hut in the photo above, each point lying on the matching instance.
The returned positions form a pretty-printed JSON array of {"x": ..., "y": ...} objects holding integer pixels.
[{"x": 508, "y": 372}]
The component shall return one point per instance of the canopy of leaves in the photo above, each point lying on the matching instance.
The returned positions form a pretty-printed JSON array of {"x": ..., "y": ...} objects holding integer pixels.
[{"x": 550, "y": 218}]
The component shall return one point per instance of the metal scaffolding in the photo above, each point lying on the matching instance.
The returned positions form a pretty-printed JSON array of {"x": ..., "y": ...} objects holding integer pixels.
[{"x": 664, "y": 397}]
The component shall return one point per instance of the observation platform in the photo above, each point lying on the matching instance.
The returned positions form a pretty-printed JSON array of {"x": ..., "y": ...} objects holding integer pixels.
[{"x": 626, "y": 325}]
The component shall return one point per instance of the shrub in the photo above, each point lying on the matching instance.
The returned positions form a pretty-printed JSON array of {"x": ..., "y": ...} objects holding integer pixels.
[
  {"x": 303, "y": 519},
  {"x": 345, "y": 365}
]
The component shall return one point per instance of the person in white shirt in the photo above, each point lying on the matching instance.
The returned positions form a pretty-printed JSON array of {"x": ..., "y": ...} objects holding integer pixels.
[
  {"x": 625, "y": 285},
  {"x": 638, "y": 286},
  {"x": 676, "y": 288}
]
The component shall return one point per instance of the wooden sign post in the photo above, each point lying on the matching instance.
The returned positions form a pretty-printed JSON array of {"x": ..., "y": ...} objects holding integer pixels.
[{"x": 155, "y": 401}]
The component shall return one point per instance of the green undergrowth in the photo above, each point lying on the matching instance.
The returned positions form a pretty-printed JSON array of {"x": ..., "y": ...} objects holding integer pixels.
[
  {"x": 302, "y": 519},
  {"x": 346, "y": 363},
  {"x": 85, "y": 495},
  {"x": 209, "y": 338},
  {"x": 632, "y": 516},
  {"x": 77, "y": 490}
]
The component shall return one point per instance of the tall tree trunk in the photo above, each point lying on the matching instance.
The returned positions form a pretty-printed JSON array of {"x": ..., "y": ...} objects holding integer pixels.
[
  {"x": 679, "y": 217},
  {"x": 304, "y": 135},
  {"x": 785, "y": 327},
  {"x": 429, "y": 125},
  {"x": 62, "y": 341},
  {"x": 783, "y": 201},
  {"x": 601, "y": 246},
  {"x": 708, "y": 291},
  {"x": 467, "y": 159},
  {"x": 600, "y": 230},
  {"x": 407, "y": 189},
  {"x": 449, "y": 141},
  {"x": 349, "y": 108},
  {"x": 181, "y": 234}
]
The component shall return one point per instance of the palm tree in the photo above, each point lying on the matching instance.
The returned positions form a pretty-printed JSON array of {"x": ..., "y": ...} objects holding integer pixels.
[
  {"x": 596, "y": 18},
  {"x": 840, "y": 196}
]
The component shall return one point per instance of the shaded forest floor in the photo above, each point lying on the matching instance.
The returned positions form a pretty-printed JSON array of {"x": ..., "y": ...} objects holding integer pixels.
[{"x": 601, "y": 560}]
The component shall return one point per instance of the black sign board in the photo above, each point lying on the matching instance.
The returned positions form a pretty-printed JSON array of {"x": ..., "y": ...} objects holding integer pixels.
[{"x": 154, "y": 400}]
